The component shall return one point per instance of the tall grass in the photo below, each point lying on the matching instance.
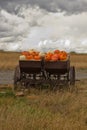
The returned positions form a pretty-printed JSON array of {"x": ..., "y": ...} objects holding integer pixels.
[{"x": 45, "y": 110}]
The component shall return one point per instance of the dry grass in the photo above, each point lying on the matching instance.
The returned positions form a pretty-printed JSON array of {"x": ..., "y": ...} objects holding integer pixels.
[
  {"x": 79, "y": 60},
  {"x": 8, "y": 60},
  {"x": 45, "y": 110}
]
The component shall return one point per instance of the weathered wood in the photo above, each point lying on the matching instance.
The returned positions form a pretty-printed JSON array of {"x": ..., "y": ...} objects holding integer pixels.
[{"x": 54, "y": 73}]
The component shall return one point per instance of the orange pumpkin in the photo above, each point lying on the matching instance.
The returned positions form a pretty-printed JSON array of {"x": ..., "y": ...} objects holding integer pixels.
[
  {"x": 26, "y": 53},
  {"x": 63, "y": 52},
  {"x": 37, "y": 57},
  {"x": 48, "y": 56},
  {"x": 29, "y": 57},
  {"x": 55, "y": 57},
  {"x": 56, "y": 51},
  {"x": 36, "y": 53},
  {"x": 63, "y": 56}
]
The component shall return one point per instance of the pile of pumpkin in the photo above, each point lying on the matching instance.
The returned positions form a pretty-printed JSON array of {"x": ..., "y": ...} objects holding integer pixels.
[{"x": 49, "y": 56}]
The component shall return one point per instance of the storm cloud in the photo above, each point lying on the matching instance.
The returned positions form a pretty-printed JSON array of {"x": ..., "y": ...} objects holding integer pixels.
[
  {"x": 68, "y": 6},
  {"x": 28, "y": 23}
]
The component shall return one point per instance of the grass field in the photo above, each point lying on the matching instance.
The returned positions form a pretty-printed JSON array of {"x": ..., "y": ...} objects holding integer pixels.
[
  {"x": 43, "y": 109},
  {"x": 8, "y": 60},
  {"x": 79, "y": 60}
]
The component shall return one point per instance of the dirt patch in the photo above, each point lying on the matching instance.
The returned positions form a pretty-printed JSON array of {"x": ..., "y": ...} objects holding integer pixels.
[
  {"x": 81, "y": 74},
  {"x": 6, "y": 77}
]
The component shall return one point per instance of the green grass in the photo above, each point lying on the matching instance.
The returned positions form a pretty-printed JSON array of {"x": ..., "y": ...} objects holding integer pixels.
[{"x": 42, "y": 110}]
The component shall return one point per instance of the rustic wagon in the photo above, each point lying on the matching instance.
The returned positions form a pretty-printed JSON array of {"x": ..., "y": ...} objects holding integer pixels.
[{"x": 53, "y": 73}]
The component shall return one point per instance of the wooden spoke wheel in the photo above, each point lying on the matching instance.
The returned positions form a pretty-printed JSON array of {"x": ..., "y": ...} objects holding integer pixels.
[
  {"x": 17, "y": 77},
  {"x": 72, "y": 75}
]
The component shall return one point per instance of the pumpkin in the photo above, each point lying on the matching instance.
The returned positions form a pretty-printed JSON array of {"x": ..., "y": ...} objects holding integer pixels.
[
  {"x": 56, "y": 51},
  {"x": 63, "y": 56},
  {"x": 29, "y": 57},
  {"x": 22, "y": 57},
  {"x": 37, "y": 53},
  {"x": 55, "y": 57},
  {"x": 48, "y": 56},
  {"x": 26, "y": 53},
  {"x": 63, "y": 52},
  {"x": 42, "y": 54},
  {"x": 37, "y": 57}
]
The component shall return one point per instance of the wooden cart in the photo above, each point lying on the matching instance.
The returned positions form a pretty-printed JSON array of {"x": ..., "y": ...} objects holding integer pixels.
[{"x": 53, "y": 73}]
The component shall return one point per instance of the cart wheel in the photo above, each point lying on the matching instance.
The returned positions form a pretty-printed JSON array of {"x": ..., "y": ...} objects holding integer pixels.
[
  {"x": 16, "y": 77},
  {"x": 72, "y": 75}
]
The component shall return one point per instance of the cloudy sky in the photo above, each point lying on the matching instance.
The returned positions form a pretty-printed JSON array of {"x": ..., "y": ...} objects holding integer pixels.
[{"x": 43, "y": 24}]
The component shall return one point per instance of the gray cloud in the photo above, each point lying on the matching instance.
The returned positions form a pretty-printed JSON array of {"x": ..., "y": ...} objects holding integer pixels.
[
  {"x": 12, "y": 28},
  {"x": 69, "y": 6},
  {"x": 24, "y": 23}
]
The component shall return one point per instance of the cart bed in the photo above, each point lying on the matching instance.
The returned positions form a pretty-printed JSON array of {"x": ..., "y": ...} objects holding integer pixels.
[
  {"x": 57, "y": 67},
  {"x": 30, "y": 66}
]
